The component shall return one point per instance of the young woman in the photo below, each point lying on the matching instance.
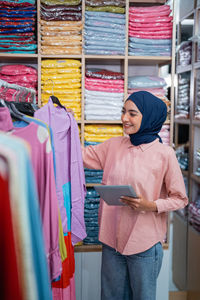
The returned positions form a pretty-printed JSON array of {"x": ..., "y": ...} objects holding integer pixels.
[{"x": 132, "y": 235}]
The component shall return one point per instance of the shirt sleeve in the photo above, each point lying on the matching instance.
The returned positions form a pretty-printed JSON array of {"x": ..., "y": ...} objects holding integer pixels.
[
  {"x": 174, "y": 185},
  {"x": 94, "y": 157}
]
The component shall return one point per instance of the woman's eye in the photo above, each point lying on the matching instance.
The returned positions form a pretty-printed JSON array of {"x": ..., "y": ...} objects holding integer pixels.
[
  {"x": 123, "y": 111},
  {"x": 132, "y": 115}
]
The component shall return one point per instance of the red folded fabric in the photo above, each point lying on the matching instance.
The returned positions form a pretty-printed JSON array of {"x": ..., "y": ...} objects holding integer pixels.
[
  {"x": 151, "y": 20},
  {"x": 17, "y": 70},
  {"x": 151, "y": 25}
]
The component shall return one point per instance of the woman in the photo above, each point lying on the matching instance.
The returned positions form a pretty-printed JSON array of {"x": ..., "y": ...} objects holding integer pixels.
[{"x": 132, "y": 235}]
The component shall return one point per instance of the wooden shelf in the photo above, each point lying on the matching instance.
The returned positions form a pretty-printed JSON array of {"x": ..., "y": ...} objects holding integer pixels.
[
  {"x": 197, "y": 65},
  {"x": 61, "y": 56},
  {"x": 98, "y": 248},
  {"x": 195, "y": 178},
  {"x": 92, "y": 184},
  {"x": 150, "y": 60},
  {"x": 102, "y": 122},
  {"x": 196, "y": 122},
  {"x": 88, "y": 248},
  {"x": 183, "y": 69},
  {"x": 105, "y": 56},
  {"x": 182, "y": 121},
  {"x": 148, "y": 1},
  {"x": 18, "y": 55},
  {"x": 184, "y": 172}
]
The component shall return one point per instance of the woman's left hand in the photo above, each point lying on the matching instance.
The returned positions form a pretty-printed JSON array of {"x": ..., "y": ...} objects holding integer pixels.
[{"x": 139, "y": 204}]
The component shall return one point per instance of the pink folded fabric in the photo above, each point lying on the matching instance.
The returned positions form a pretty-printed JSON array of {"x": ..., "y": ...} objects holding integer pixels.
[
  {"x": 150, "y": 9},
  {"x": 150, "y": 15},
  {"x": 157, "y": 91},
  {"x": 105, "y": 81},
  {"x": 151, "y": 25},
  {"x": 152, "y": 20},
  {"x": 17, "y": 70},
  {"x": 155, "y": 33},
  {"x": 103, "y": 88},
  {"x": 150, "y": 28},
  {"x": 148, "y": 36}
]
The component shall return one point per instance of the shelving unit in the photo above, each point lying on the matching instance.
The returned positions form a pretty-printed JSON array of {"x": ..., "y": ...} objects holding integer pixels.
[
  {"x": 123, "y": 63},
  {"x": 186, "y": 241}
]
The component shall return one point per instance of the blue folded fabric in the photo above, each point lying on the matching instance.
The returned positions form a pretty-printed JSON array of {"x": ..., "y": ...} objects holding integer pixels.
[
  {"x": 151, "y": 41},
  {"x": 105, "y": 29},
  {"x": 104, "y": 14},
  {"x": 106, "y": 19}
]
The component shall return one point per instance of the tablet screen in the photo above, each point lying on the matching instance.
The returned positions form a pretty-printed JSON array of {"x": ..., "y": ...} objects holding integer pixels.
[{"x": 111, "y": 193}]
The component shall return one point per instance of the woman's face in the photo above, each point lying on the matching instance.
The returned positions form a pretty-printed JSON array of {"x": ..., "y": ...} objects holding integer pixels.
[{"x": 131, "y": 117}]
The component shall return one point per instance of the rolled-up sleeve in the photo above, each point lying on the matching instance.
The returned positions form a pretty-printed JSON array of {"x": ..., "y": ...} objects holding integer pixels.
[{"x": 174, "y": 185}]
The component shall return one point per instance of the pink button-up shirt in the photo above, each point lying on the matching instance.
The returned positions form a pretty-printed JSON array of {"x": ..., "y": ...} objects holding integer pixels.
[{"x": 153, "y": 171}]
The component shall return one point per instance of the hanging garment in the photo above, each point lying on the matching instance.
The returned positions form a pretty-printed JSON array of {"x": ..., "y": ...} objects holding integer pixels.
[
  {"x": 42, "y": 161},
  {"x": 69, "y": 167}
]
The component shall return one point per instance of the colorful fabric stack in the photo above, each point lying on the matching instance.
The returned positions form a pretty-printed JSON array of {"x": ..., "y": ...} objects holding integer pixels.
[
  {"x": 21, "y": 75},
  {"x": 150, "y": 31},
  {"x": 165, "y": 134},
  {"x": 185, "y": 53},
  {"x": 105, "y": 27},
  {"x": 100, "y": 133},
  {"x": 152, "y": 84},
  {"x": 61, "y": 27},
  {"x": 104, "y": 93},
  {"x": 183, "y": 103},
  {"x": 197, "y": 104},
  {"x": 62, "y": 78},
  {"x": 194, "y": 213},
  {"x": 183, "y": 157},
  {"x": 17, "y": 26},
  {"x": 91, "y": 216}
]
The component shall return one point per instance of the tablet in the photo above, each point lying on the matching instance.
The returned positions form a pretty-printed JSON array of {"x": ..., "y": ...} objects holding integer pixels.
[{"x": 111, "y": 193}]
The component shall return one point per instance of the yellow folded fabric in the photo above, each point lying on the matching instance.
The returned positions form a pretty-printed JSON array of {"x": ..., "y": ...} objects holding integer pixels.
[
  {"x": 61, "y": 50},
  {"x": 63, "y": 38},
  {"x": 104, "y": 129},
  {"x": 61, "y": 43},
  {"x": 64, "y": 63},
  {"x": 61, "y": 23},
  {"x": 57, "y": 93},
  {"x": 61, "y": 28},
  {"x": 61, "y": 33},
  {"x": 61, "y": 86},
  {"x": 65, "y": 71},
  {"x": 70, "y": 98},
  {"x": 62, "y": 76}
]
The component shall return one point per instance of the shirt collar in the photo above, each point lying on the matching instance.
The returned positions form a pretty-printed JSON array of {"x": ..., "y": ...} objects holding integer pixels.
[{"x": 144, "y": 147}]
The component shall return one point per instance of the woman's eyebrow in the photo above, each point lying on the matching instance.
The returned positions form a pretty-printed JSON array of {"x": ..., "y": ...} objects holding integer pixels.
[{"x": 132, "y": 110}]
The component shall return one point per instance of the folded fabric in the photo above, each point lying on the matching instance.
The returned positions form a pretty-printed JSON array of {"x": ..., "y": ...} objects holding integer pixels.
[
  {"x": 119, "y": 3},
  {"x": 151, "y": 41},
  {"x": 113, "y": 9},
  {"x": 99, "y": 14},
  {"x": 106, "y": 19},
  {"x": 145, "y": 81}
]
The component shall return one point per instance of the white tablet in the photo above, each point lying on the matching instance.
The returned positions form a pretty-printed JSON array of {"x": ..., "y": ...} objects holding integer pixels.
[{"x": 111, "y": 193}]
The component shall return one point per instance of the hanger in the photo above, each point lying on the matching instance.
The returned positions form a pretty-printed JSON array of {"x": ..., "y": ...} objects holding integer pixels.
[{"x": 54, "y": 98}]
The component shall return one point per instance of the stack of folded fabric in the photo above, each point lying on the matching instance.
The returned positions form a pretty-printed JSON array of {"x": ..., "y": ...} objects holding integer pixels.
[
  {"x": 165, "y": 135},
  {"x": 62, "y": 78},
  {"x": 183, "y": 103},
  {"x": 100, "y": 133},
  {"x": 104, "y": 93},
  {"x": 93, "y": 176},
  {"x": 197, "y": 107},
  {"x": 21, "y": 75},
  {"x": 61, "y": 26},
  {"x": 152, "y": 84},
  {"x": 185, "y": 53},
  {"x": 17, "y": 26},
  {"x": 183, "y": 157},
  {"x": 194, "y": 213},
  {"x": 150, "y": 31},
  {"x": 91, "y": 217},
  {"x": 105, "y": 27}
]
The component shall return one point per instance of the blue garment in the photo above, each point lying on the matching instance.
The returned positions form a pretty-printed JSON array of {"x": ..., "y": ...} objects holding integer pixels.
[
  {"x": 154, "y": 113},
  {"x": 130, "y": 276}
]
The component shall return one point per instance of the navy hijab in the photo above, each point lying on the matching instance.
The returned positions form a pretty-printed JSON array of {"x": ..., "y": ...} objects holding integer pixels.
[{"x": 154, "y": 113}]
